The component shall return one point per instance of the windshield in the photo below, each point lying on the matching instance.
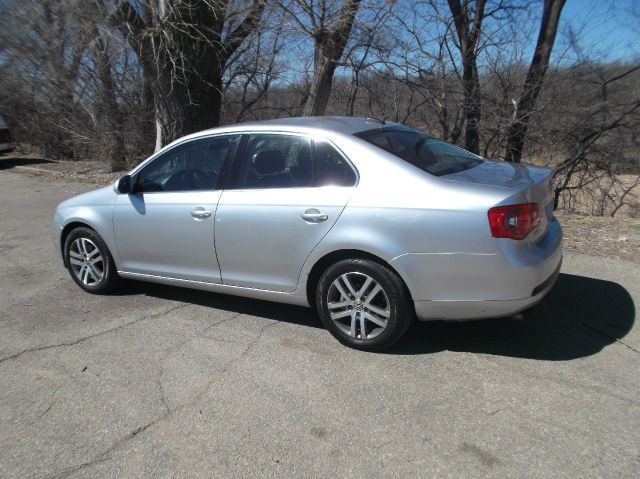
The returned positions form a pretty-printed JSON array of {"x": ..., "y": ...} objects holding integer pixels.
[{"x": 429, "y": 154}]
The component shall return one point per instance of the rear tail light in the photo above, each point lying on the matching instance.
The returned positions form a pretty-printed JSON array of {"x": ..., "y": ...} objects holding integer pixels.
[{"x": 514, "y": 221}]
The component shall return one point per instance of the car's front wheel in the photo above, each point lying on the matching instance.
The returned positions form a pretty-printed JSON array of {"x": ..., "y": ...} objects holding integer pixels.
[
  {"x": 89, "y": 261},
  {"x": 363, "y": 304}
]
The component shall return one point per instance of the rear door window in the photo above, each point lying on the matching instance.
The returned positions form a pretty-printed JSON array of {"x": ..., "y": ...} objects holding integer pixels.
[
  {"x": 275, "y": 161},
  {"x": 330, "y": 167},
  {"x": 291, "y": 161}
]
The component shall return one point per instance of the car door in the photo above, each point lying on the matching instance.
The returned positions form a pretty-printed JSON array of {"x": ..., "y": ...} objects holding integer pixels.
[
  {"x": 284, "y": 195},
  {"x": 165, "y": 227}
]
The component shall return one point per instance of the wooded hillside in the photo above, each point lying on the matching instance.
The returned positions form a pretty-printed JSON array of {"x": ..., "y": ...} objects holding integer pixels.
[{"x": 113, "y": 80}]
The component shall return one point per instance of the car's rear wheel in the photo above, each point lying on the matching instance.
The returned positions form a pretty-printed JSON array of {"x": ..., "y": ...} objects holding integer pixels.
[
  {"x": 363, "y": 304},
  {"x": 89, "y": 261}
]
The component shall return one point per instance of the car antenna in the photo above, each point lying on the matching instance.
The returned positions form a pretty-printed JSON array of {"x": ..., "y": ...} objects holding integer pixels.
[{"x": 383, "y": 121}]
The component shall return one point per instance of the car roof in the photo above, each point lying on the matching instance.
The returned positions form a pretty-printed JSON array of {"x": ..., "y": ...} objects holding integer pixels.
[
  {"x": 334, "y": 125},
  {"x": 344, "y": 125},
  {"x": 341, "y": 124}
]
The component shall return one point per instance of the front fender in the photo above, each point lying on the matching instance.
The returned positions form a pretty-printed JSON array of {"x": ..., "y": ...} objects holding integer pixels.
[{"x": 98, "y": 218}]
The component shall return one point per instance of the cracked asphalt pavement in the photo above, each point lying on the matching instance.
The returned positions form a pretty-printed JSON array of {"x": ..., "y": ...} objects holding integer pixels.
[{"x": 163, "y": 381}]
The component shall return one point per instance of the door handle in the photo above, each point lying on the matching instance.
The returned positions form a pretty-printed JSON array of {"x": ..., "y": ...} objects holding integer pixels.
[
  {"x": 313, "y": 215},
  {"x": 200, "y": 213}
]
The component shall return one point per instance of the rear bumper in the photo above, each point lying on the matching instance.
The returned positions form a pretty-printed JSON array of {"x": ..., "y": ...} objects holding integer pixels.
[
  {"x": 468, "y": 286},
  {"x": 465, "y": 310}
]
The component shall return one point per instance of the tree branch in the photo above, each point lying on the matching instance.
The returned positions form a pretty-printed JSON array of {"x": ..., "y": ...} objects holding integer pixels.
[
  {"x": 127, "y": 20},
  {"x": 242, "y": 31}
]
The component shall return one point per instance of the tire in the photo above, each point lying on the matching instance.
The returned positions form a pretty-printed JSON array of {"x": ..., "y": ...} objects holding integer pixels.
[
  {"x": 89, "y": 261},
  {"x": 381, "y": 302}
]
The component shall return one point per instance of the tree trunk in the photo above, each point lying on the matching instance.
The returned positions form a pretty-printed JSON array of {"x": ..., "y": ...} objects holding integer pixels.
[
  {"x": 471, "y": 106},
  {"x": 517, "y": 131},
  {"x": 65, "y": 63},
  {"x": 114, "y": 147},
  {"x": 320, "y": 88},
  {"x": 189, "y": 104},
  {"x": 180, "y": 47},
  {"x": 329, "y": 46},
  {"x": 468, "y": 33}
]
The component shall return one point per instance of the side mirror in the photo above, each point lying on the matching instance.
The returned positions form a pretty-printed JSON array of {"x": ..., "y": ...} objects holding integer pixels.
[{"x": 124, "y": 185}]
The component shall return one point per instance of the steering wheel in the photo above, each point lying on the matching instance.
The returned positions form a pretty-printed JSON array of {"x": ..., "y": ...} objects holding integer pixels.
[
  {"x": 195, "y": 179},
  {"x": 192, "y": 179}
]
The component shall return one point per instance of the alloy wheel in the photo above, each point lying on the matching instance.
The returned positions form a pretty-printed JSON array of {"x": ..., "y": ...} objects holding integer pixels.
[
  {"x": 86, "y": 261},
  {"x": 358, "y": 305}
]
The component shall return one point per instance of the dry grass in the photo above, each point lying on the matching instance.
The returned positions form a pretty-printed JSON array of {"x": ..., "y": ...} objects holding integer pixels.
[
  {"x": 617, "y": 237},
  {"x": 604, "y": 195}
]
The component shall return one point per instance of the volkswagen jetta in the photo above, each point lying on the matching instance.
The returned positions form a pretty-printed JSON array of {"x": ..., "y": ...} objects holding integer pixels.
[{"x": 372, "y": 223}]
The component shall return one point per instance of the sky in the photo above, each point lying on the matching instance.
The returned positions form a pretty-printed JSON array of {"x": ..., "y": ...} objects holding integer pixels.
[{"x": 609, "y": 29}]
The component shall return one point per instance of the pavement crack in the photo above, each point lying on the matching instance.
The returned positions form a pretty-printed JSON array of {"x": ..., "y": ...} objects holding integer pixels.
[
  {"x": 67, "y": 471},
  {"x": 43, "y": 413},
  {"x": 91, "y": 336},
  {"x": 250, "y": 346},
  {"x": 40, "y": 416},
  {"x": 225, "y": 368},
  {"x": 107, "y": 454},
  {"x": 611, "y": 336},
  {"x": 175, "y": 347}
]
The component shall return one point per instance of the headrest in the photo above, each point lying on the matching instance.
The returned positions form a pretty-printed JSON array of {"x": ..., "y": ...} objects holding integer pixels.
[{"x": 268, "y": 162}]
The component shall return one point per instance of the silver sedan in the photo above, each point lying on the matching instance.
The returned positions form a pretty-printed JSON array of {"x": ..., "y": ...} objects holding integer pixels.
[{"x": 372, "y": 223}]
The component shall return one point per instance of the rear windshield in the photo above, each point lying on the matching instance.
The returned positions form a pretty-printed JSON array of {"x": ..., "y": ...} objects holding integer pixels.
[{"x": 427, "y": 153}]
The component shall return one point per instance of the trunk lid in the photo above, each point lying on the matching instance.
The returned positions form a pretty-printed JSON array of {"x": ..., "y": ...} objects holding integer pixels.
[
  {"x": 503, "y": 174},
  {"x": 527, "y": 184}
]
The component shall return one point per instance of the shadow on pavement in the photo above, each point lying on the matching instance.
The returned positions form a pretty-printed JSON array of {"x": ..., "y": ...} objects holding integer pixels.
[
  {"x": 578, "y": 318},
  {"x": 253, "y": 307},
  {"x": 7, "y": 162}
]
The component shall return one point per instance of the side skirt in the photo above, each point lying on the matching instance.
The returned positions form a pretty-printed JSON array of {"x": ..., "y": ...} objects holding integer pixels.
[{"x": 275, "y": 296}]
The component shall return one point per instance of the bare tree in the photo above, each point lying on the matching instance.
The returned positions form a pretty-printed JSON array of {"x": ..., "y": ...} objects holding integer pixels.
[
  {"x": 253, "y": 69},
  {"x": 113, "y": 137},
  {"x": 468, "y": 25},
  {"x": 600, "y": 141},
  {"x": 330, "y": 30},
  {"x": 424, "y": 66},
  {"x": 371, "y": 43},
  {"x": 183, "y": 47},
  {"x": 88, "y": 79},
  {"x": 43, "y": 46},
  {"x": 517, "y": 132}
]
